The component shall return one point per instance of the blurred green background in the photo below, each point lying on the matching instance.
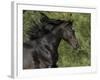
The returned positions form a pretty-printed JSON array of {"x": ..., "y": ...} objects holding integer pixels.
[{"x": 82, "y": 24}]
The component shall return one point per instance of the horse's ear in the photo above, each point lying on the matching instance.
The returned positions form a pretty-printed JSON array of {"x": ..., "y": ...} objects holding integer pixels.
[{"x": 44, "y": 18}]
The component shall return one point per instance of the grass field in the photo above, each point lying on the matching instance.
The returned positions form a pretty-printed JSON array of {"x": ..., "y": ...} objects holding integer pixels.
[{"x": 68, "y": 57}]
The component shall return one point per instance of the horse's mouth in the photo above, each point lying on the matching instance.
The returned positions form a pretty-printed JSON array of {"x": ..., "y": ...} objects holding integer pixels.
[{"x": 73, "y": 43}]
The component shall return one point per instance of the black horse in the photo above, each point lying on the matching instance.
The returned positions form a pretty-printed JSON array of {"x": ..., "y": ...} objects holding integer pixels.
[{"x": 41, "y": 51}]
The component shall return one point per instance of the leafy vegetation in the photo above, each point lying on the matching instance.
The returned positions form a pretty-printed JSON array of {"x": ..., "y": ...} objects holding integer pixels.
[{"x": 67, "y": 56}]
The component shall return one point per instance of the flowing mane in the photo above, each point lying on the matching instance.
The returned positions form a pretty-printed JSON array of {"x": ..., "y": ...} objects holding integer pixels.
[{"x": 46, "y": 26}]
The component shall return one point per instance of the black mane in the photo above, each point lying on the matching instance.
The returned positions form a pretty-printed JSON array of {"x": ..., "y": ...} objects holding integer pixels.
[{"x": 46, "y": 26}]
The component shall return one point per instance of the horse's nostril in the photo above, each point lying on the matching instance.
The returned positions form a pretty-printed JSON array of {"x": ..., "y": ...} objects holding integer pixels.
[{"x": 77, "y": 45}]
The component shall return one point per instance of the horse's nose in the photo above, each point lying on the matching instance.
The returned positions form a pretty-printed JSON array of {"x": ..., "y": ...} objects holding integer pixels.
[{"x": 77, "y": 46}]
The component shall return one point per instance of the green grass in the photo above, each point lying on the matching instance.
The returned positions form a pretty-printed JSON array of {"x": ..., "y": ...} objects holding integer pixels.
[{"x": 67, "y": 56}]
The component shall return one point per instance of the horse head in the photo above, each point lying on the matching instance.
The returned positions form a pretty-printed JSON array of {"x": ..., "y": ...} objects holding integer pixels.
[{"x": 68, "y": 33}]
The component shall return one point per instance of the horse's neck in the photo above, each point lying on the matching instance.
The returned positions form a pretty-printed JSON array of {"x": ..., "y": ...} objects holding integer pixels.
[
  {"x": 57, "y": 31},
  {"x": 54, "y": 38}
]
